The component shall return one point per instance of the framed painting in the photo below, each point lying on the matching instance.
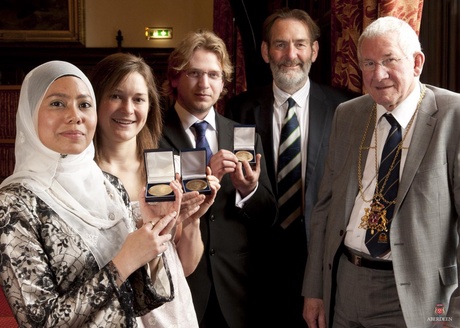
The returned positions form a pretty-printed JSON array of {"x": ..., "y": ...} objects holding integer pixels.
[{"x": 42, "y": 21}]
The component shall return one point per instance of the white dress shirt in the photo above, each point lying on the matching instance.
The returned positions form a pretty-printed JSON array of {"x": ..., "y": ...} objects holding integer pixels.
[
  {"x": 187, "y": 121},
  {"x": 355, "y": 236},
  {"x": 280, "y": 107}
]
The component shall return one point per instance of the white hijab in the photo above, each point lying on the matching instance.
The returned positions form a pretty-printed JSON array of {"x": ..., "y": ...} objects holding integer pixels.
[{"x": 72, "y": 185}]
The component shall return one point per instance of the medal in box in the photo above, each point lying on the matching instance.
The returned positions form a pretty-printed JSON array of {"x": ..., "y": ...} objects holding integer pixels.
[
  {"x": 244, "y": 137},
  {"x": 160, "y": 171},
  {"x": 193, "y": 170}
]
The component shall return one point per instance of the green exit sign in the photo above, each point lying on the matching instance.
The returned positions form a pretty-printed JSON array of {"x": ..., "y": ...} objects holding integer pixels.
[{"x": 158, "y": 33}]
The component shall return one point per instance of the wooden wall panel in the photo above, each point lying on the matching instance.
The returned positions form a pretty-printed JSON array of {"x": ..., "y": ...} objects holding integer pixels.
[{"x": 9, "y": 96}]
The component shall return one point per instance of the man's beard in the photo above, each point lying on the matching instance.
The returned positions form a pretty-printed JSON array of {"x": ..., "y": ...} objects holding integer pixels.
[{"x": 290, "y": 81}]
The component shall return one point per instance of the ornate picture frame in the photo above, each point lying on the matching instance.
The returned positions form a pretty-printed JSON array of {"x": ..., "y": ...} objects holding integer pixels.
[{"x": 50, "y": 21}]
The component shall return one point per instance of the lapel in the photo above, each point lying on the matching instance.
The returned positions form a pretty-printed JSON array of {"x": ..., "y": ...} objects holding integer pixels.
[
  {"x": 224, "y": 132},
  {"x": 423, "y": 131},
  {"x": 173, "y": 131},
  {"x": 263, "y": 117},
  {"x": 317, "y": 131}
]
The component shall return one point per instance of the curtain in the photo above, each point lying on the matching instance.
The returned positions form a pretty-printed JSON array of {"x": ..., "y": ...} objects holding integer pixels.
[
  {"x": 226, "y": 29},
  {"x": 348, "y": 19}
]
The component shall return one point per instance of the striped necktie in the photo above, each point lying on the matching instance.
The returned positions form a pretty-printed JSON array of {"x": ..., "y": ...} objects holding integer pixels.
[
  {"x": 289, "y": 169},
  {"x": 378, "y": 243}
]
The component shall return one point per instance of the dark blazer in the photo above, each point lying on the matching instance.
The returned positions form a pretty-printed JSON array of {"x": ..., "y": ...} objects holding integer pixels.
[
  {"x": 289, "y": 246},
  {"x": 424, "y": 235},
  {"x": 257, "y": 108},
  {"x": 230, "y": 234}
]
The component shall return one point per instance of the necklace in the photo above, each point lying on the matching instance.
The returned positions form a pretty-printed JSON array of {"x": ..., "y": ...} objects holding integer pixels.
[{"x": 375, "y": 216}]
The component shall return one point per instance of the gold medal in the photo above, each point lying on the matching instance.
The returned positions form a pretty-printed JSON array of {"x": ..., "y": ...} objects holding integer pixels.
[
  {"x": 196, "y": 185},
  {"x": 160, "y": 190},
  {"x": 244, "y": 155}
]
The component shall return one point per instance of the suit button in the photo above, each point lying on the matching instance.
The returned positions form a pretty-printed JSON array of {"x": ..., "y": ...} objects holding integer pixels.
[
  {"x": 212, "y": 251},
  {"x": 212, "y": 218}
]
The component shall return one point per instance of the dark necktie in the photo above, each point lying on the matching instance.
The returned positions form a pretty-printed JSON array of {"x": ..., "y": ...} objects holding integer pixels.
[
  {"x": 201, "y": 142},
  {"x": 378, "y": 243},
  {"x": 289, "y": 169}
]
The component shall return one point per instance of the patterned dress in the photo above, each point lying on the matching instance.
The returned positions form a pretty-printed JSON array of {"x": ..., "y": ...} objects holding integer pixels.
[{"x": 51, "y": 279}]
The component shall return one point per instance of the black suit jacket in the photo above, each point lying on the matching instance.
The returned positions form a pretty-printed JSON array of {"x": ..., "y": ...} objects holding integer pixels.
[
  {"x": 288, "y": 248},
  {"x": 257, "y": 108},
  {"x": 230, "y": 234}
]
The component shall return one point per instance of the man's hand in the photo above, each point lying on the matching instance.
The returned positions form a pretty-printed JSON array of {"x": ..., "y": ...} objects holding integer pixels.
[
  {"x": 245, "y": 178},
  {"x": 223, "y": 162},
  {"x": 313, "y": 313}
]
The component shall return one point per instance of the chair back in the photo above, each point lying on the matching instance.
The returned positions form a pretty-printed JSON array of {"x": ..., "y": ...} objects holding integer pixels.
[{"x": 7, "y": 319}]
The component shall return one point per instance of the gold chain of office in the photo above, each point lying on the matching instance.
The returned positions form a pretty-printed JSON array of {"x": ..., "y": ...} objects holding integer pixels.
[{"x": 375, "y": 217}]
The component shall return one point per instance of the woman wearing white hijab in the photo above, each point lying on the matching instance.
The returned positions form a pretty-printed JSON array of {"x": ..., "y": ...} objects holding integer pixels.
[{"x": 69, "y": 251}]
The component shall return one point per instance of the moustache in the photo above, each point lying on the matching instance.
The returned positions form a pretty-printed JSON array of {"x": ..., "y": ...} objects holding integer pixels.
[{"x": 291, "y": 63}]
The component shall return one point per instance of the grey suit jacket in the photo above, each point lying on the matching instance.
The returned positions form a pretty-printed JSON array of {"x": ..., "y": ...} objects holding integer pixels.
[{"x": 424, "y": 233}]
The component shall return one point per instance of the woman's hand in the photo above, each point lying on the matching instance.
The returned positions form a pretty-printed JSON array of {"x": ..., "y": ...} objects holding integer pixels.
[
  {"x": 205, "y": 200},
  {"x": 148, "y": 242},
  {"x": 188, "y": 237},
  {"x": 214, "y": 184},
  {"x": 191, "y": 202},
  {"x": 152, "y": 212},
  {"x": 144, "y": 245}
]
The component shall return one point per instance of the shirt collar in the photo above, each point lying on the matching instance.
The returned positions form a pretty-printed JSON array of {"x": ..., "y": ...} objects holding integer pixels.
[
  {"x": 188, "y": 119},
  {"x": 300, "y": 96},
  {"x": 404, "y": 111}
]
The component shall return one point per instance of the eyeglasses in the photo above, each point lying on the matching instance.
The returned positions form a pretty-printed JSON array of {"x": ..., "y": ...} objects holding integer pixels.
[
  {"x": 198, "y": 74},
  {"x": 390, "y": 63}
]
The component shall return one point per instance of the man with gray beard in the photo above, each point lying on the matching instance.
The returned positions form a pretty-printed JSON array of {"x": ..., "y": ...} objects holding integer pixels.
[{"x": 289, "y": 46}]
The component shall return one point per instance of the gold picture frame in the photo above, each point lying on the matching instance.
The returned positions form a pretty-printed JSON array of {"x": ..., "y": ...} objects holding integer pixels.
[{"x": 49, "y": 21}]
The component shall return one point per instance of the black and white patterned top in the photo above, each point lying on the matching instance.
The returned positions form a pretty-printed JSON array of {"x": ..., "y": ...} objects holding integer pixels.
[{"x": 50, "y": 277}]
